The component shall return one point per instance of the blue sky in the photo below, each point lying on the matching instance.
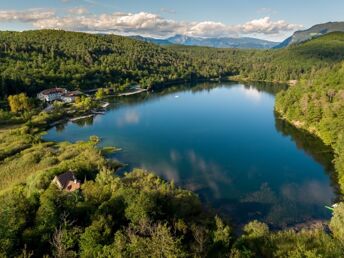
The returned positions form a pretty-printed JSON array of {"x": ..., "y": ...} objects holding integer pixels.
[{"x": 267, "y": 19}]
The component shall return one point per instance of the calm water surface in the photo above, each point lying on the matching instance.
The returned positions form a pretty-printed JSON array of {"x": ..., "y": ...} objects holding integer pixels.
[{"x": 224, "y": 142}]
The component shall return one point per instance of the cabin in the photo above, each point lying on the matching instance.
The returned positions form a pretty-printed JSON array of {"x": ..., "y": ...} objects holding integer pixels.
[
  {"x": 51, "y": 94},
  {"x": 67, "y": 181}
]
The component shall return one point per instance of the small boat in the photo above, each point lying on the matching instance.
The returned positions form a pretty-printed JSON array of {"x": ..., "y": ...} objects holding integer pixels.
[
  {"x": 176, "y": 96},
  {"x": 332, "y": 207}
]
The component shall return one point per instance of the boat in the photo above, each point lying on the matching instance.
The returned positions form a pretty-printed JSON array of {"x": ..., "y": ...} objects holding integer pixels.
[{"x": 332, "y": 207}]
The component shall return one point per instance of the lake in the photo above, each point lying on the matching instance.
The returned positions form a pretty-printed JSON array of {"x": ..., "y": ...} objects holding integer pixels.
[{"x": 224, "y": 142}]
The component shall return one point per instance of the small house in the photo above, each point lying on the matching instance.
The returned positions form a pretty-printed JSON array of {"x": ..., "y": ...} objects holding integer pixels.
[
  {"x": 67, "y": 181},
  {"x": 51, "y": 94}
]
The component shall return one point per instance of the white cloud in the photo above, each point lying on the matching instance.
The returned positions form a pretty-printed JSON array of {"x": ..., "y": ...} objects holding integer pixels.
[
  {"x": 28, "y": 16},
  {"x": 211, "y": 29},
  {"x": 267, "y": 26},
  {"x": 125, "y": 23},
  {"x": 143, "y": 23}
]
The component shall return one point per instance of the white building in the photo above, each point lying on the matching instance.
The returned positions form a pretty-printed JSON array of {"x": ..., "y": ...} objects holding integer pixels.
[
  {"x": 51, "y": 94},
  {"x": 62, "y": 94}
]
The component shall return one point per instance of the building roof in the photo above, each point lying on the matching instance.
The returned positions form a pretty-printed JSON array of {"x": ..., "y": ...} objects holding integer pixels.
[
  {"x": 53, "y": 90},
  {"x": 72, "y": 93},
  {"x": 65, "y": 178}
]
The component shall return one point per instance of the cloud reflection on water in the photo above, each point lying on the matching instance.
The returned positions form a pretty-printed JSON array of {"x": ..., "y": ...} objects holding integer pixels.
[
  {"x": 130, "y": 117},
  {"x": 252, "y": 94},
  {"x": 311, "y": 192}
]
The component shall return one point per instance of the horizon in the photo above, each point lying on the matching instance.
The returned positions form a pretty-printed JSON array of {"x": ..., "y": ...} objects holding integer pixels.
[{"x": 266, "y": 20}]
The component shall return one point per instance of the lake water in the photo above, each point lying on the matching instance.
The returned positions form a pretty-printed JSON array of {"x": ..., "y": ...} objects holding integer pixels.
[{"x": 224, "y": 142}]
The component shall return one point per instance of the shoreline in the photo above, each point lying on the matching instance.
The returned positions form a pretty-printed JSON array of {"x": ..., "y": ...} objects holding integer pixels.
[
  {"x": 90, "y": 113},
  {"x": 310, "y": 222}
]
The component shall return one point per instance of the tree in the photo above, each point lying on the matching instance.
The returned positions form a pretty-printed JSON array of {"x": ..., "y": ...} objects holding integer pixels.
[
  {"x": 222, "y": 232},
  {"x": 64, "y": 240},
  {"x": 19, "y": 102},
  {"x": 337, "y": 222},
  {"x": 256, "y": 229},
  {"x": 100, "y": 93}
]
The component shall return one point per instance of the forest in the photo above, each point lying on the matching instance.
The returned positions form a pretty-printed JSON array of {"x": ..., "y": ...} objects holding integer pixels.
[
  {"x": 36, "y": 60},
  {"x": 139, "y": 214}
]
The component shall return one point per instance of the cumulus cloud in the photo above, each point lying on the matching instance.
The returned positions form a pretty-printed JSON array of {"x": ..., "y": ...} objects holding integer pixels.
[
  {"x": 125, "y": 23},
  {"x": 29, "y": 16},
  {"x": 143, "y": 23},
  {"x": 267, "y": 26},
  {"x": 211, "y": 29}
]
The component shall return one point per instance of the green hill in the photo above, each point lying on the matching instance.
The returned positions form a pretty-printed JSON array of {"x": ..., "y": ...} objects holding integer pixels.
[
  {"x": 34, "y": 60},
  {"x": 295, "y": 61}
]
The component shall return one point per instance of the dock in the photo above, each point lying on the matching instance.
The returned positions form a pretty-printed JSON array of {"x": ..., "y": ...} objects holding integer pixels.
[
  {"x": 105, "y": 105},
  {"x": 80, "y": 117},
  {"x": 124, "y": 94}
]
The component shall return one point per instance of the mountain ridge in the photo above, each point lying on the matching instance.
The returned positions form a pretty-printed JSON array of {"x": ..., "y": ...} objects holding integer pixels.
[
  {"x": 216, "y": 42},
  {"x": 311, "y": 33}
]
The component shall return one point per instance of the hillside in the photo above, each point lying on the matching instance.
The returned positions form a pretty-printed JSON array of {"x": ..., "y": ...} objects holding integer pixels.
[
  {"x": 311, "y": 33},
  {"x": 295, "y": 61},
  {"x": 316, "y": 102},
  {"x": 34, "y": 60}
]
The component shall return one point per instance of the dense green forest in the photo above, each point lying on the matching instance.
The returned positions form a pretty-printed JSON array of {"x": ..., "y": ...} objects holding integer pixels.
[
  {"x": 316, "y": 103},
  {"x": 35, "y": 60},
  {"x": 138, "y": 214},
  {"x": 318, "y": 106}
]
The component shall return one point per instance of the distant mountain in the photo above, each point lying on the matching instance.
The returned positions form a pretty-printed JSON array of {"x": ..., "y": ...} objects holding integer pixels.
[
  {"x": 314, "y": 32},
  {"x": 221, "y": 42},
  {"x": 162, "y": 42}
]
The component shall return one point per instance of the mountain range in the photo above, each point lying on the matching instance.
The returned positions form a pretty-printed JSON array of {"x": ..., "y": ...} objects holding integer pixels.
[
  {"x": 220, "y": 42},
  {"x": 313, "y": 32},
  {"x": 247, "y": 42}
]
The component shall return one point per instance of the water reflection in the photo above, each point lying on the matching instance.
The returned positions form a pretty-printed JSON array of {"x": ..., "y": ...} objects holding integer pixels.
[
  {"x": 130, "y": 117},
  {"x": 311, "y": 145},
  {"x": 252, "y": 93},
  {"x": 206, "y": 176},
  {"x": 224, "y": 142},
  {"x": 84, "y": 122}
]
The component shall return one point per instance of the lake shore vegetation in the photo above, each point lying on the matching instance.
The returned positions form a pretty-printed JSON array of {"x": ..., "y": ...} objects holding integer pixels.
[{"x": 139, "y": 214}]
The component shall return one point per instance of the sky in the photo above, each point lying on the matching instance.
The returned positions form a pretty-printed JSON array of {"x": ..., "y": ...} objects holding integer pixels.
[{"x": 266, "y": 19}]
